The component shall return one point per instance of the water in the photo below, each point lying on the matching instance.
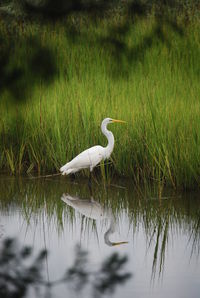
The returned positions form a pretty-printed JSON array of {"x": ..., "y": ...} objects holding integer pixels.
[{"x": 116, "y": 241}]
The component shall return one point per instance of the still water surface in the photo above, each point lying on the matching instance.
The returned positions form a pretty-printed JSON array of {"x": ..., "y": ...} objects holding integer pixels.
[{"x": 116, "y": 241}]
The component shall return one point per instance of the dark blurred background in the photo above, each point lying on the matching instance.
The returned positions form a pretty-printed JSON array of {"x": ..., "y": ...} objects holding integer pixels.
[{"x": 41, "y": 63}]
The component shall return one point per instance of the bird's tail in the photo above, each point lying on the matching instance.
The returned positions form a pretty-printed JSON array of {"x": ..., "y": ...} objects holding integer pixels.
[
  {"x": 65, "y": 170},
  {"x": 67, "y": 198}
]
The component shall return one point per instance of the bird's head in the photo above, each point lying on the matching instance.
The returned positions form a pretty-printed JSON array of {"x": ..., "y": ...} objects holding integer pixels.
[{"x": 111, "y": 120}]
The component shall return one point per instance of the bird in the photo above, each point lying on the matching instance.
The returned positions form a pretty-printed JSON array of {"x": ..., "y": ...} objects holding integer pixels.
[
  {"x": 91, "y": 157},
  {"x": 92, "y": 209}
]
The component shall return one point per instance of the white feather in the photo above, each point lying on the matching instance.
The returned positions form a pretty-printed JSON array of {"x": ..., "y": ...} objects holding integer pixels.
[
  {"x": 92, "y": 156},
  {"x": 86, "y": 159}
]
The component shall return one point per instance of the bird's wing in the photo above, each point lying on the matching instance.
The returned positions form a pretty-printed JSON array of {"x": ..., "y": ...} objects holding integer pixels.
[
  {"x": 87, "y": 158},
  {"x": 90, "y": 209}
]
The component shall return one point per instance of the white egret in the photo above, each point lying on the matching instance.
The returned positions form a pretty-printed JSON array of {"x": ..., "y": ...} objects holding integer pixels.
[
  {"x": 94, "y": 210},
  {"x": 94, "y": 155}
]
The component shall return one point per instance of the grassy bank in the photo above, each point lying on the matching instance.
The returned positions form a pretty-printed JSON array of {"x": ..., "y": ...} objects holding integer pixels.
[{"x": 150, "y": 80}]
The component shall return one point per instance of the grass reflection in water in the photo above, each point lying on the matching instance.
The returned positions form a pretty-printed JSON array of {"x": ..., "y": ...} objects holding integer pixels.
[{"x": 161, "y": 219}]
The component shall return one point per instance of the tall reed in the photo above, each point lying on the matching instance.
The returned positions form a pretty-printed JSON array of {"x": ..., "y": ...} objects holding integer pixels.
[{"x": 155, "y": 89}]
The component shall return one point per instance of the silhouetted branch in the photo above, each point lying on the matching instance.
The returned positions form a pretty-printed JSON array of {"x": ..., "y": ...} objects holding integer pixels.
[{"x": 17, "y": 275}]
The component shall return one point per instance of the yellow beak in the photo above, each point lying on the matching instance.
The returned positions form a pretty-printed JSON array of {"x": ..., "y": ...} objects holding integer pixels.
[
  {"x": 118, "y": 243},
  {"x": 119, "y": 121}
]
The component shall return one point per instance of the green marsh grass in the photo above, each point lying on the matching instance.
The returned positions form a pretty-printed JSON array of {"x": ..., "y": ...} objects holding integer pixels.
[{"x": 156, "y": 90}]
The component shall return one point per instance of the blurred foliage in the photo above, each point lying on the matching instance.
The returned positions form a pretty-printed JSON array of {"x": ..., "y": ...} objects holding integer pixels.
[
  {"x": 20, "y": 80},
  {"x": 20, "y": 270},
  {"x": 16, "y": 276},
  {"x": 60, "y": 8},
  {"x": 40, "y": 62}
]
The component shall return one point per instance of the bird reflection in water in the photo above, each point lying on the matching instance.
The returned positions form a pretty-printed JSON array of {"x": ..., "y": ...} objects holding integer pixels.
[{"x": 94, "y": 210}]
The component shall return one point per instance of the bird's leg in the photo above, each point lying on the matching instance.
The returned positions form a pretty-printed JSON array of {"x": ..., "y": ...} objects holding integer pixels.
[
  {"x": 90, "y": 179},
  {"x": 90, "y": 182},
  {"x": 72, "y": 178}
]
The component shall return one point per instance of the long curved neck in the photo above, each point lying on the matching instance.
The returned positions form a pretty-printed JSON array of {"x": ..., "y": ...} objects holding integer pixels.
[
  {"x": 109, "y": 136},
  {"x": 109, "y": 232}
]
